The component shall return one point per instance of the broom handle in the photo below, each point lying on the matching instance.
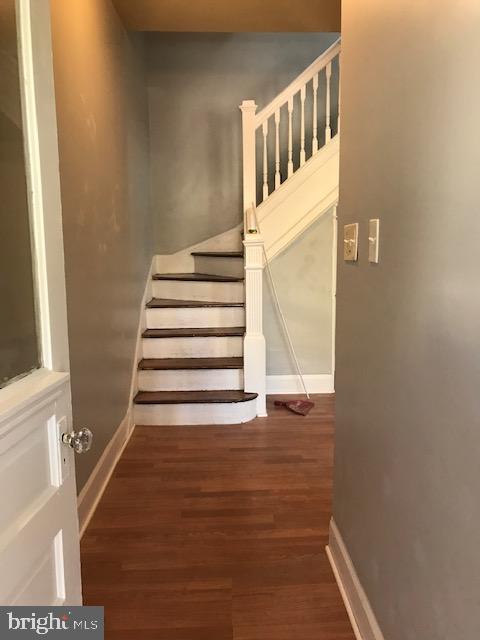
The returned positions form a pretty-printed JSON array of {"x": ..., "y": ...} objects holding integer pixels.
[{"x": 279, "y": 308}]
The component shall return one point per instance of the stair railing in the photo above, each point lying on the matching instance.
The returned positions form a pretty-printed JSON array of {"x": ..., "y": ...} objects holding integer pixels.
[{"x": 306, "y": 84}]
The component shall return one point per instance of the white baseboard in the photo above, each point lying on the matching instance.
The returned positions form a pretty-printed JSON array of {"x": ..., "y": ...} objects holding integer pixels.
[
  {"x": 91, "y": 493},
  {"x": 315, "y": 383},
  {"x": 358, "y": 607}
]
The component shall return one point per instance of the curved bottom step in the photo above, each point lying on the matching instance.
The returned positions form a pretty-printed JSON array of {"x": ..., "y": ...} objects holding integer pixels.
[{"x": 162, "y": 408}]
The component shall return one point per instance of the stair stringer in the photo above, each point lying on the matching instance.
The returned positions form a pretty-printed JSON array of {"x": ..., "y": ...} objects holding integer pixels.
[{"x": 308, "y": 194}]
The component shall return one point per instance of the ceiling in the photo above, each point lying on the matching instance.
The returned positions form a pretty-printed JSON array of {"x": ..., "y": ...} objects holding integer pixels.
[{"x": 230, "y": 15}]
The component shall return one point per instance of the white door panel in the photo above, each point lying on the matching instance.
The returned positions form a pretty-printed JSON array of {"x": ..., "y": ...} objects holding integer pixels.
[
  {"x": 39, "y": 559},
  {"x": 39, "y": 539}
]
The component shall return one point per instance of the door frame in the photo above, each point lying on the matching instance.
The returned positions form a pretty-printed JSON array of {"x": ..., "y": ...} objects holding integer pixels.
[
  {"x": 43, "y": 179},
  {"x": 45, "y": 211}
]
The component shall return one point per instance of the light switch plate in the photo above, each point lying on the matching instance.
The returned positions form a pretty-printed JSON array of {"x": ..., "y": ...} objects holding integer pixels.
[
  {"x": 373, "y": 238},
  {"x": 350, "y": 242}
]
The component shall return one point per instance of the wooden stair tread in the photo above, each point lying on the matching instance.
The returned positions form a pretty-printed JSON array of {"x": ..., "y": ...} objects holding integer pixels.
[
  {"x": 215, "y": 332},
  {"x": 218, "y": 254},
  {"x": 192, "y": 397},
  {"x": 165, "y": 364},
  {"x": 168, "y": 303},
  {"x": 195, "y": 277}
]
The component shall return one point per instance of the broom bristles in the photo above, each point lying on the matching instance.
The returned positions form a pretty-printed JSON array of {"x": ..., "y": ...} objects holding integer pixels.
[{"x": 301, "y": 407}]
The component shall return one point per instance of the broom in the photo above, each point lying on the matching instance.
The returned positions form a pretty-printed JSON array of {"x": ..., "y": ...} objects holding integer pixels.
[{"x": 302, "y": 407}]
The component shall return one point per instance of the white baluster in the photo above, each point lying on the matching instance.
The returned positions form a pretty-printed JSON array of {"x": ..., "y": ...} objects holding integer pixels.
[
  {"x": 290, "y": 143},
  {"x": 248, "y": 108},
  {"x": 303, "y": 93},
  {"x": 315, "y": 115},
  {"x": 328, "y": 130},
  {"x": 277, "y": 149},
  {"x": 265, "y": 160}
]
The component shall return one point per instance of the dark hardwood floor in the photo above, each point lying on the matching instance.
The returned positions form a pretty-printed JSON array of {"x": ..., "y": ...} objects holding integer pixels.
[{"x": 219, "y": 533}]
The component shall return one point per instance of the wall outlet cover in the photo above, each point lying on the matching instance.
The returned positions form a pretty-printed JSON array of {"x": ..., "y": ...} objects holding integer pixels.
[{"x": 350, "y": 242}]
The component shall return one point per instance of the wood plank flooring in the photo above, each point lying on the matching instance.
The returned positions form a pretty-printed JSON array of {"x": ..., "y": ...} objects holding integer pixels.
[{"x": 218, "y": 533}]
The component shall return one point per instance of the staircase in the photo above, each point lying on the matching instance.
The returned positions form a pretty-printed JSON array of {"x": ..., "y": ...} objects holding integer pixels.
[
  {"x": 203, "y": 347},
  {"x": 192, "y": 366}
]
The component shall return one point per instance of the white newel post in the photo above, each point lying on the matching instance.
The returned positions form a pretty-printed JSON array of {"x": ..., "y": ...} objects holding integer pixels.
[
  {"x": 254, "y": 344},
  {"x": 254, "y": 351}
]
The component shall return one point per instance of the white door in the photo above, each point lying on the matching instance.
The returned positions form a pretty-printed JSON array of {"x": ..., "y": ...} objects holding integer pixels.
[{"x": 39, "y": 539}]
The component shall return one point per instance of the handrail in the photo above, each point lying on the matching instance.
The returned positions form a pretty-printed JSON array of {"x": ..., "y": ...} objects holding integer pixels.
[{"x": 299, "y": 82}]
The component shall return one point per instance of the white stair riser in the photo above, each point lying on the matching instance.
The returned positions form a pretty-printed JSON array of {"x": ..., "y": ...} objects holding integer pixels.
[
  {"x": 195, "y": 414},
  {"x": 220, "y": 266},
  {"x": 190, "y": 380},
  {"x": 206, "y": 291},
  {"x": 196, "y": 318},
  {"x": 214, "y": 347}
]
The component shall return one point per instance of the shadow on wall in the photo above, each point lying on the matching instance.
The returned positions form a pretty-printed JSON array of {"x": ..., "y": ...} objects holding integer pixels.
[{"x": 196, "y": 84}]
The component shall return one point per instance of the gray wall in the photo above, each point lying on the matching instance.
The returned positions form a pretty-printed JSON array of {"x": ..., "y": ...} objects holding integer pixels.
[
  {"x": 103, "y": 142},
  {"x": 303, "y": 278},
  {"x": 407, "y": 473},
  {"x": 196, "y": 83}
]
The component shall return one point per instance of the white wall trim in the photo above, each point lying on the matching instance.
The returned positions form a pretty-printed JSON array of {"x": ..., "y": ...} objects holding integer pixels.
[
  {"x": 96, "y": 484},
  {"x": 364, "y": 623},
  {"x": 315, "y": 383}
]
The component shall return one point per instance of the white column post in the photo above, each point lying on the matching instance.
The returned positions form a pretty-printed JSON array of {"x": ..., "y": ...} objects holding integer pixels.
[
  {"x": 248, "y": 109},
  {"x": 254, "y": 351}
]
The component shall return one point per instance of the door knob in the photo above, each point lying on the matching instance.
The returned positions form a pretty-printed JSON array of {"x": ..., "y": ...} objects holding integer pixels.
[{"x": 80, "y": 441}]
